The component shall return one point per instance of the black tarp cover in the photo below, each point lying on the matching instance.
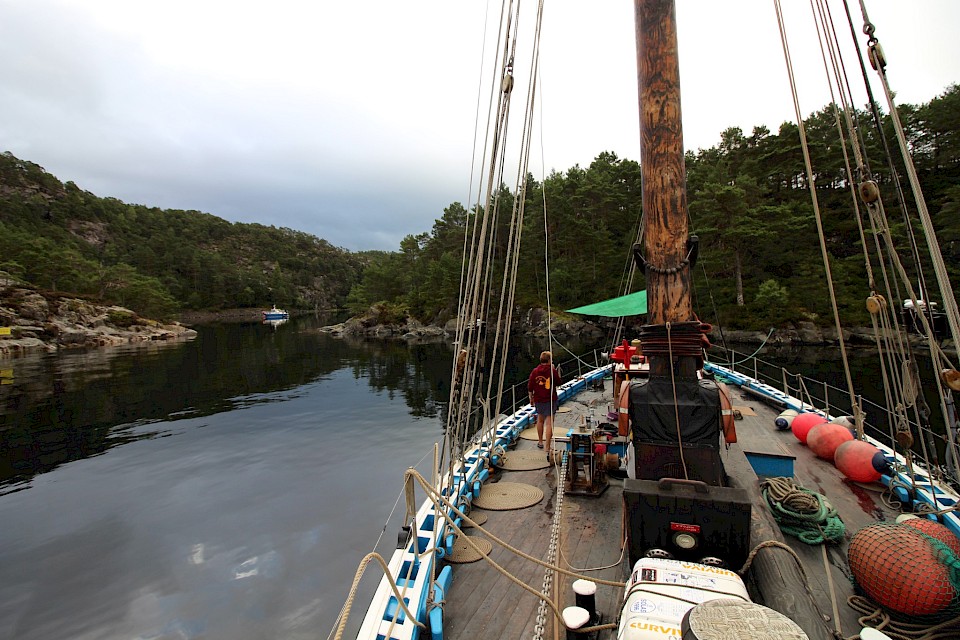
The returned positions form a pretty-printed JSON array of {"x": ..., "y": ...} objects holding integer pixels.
[{"x": 654, "y": 417}]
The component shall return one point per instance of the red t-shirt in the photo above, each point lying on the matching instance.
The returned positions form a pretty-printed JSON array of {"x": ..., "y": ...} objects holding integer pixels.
[{"x": 543, "y": 383}]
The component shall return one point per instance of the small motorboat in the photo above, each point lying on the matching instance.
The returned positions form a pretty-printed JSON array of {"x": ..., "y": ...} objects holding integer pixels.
[{"x": 275, "y": 314}]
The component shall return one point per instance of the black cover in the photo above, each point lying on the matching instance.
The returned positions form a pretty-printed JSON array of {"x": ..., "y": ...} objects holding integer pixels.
[
  {"x": 654, "y": 417},
  {"x": 655, "y": 511}
]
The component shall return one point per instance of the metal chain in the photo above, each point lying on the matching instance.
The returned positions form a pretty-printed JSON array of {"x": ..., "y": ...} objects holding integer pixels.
[{"x": 551, "y": 558}]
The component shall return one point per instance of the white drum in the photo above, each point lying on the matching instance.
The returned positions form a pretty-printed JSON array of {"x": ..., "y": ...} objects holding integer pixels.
[{"x": 660, "y": 592}]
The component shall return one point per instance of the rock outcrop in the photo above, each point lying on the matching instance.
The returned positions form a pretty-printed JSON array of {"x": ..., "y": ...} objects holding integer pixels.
[
  {"x": 36, "y": 322},
  {"x": 532, "y": 323},
  {"x": 377, "y": 324}
]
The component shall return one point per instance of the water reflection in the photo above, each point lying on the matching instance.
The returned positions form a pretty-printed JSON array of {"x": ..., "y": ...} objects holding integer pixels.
[
  {"x": 225, "y": 514},
  {"x": 274, "y": 323},
  {"x": 63, "y": 407}
]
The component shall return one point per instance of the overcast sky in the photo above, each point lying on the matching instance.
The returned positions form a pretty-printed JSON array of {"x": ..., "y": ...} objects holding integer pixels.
[{"x": 353, "y": 120}]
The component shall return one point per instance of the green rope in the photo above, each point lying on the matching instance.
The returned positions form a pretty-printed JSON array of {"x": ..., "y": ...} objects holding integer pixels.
[{"x": 802, "y": 513}]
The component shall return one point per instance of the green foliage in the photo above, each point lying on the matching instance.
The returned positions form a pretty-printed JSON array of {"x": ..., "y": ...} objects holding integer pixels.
[
  {"x": 749, "y": 200},
  {"x": 389, "y": 313},
  {"x": 772, "y": 302},
  {"x": 60, "y": 238},
  {"x": 121, "y": 319},
  {"x": 770, "y": 293}
]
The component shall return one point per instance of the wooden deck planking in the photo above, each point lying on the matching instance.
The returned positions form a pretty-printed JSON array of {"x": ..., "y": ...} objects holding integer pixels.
[
  {"x": 599, "y": 546},
  {"x": 508, "y": 594},
  {"x": 489, "y": 603},
  {"x": 492, "y": 587},
  {"x": 482, "y": 601},
  {"x": 492, "y": 602}
]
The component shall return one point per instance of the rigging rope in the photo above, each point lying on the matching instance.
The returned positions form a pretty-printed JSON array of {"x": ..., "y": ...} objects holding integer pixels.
[
  {"x": 811, "y": 185},
  {"x": 948, "y": 299},
  {"x": 475, "y": 282},
  {"x": 802, "y": 513},
  {"x": 438, "y": 498},
  {"x": 875, "y": 617}
]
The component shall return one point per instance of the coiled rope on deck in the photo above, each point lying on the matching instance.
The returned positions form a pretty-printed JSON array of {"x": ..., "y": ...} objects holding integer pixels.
[{"x": 802, "y": 513}]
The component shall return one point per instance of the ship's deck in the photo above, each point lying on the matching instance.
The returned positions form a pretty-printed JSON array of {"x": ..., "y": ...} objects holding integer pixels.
[{"x": 484, "y": 603}]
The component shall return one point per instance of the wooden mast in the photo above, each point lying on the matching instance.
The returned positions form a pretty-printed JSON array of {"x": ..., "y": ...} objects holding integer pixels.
[
  {"x": 667, "y": 260},
  {"x": 661, "y": 159}
]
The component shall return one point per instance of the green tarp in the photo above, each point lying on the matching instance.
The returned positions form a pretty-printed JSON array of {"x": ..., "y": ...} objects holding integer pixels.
[{"x": 632, "y": 304}]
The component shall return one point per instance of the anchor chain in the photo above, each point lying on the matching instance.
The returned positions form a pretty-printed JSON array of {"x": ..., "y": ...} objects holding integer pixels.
[{"x": 551, "y": 558}]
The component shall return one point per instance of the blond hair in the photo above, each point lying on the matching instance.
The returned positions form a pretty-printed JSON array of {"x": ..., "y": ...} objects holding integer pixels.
[{"x": 545, "y": 357}]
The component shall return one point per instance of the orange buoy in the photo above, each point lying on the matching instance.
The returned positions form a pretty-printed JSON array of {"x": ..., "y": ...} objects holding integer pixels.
[
  {"x": 854, "y": 459},
  {"x": 823, "y": 439},
  {"x": 623, "y": 408},
  {"x": 897, "y": 566},
  {"x": 936, "y": 530},
  {"x": 802, "y": 424},
  {"x": 726, "y": 415}
]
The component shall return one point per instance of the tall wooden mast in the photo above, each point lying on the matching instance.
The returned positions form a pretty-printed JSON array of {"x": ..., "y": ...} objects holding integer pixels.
[{"x": 666, "y": 251}]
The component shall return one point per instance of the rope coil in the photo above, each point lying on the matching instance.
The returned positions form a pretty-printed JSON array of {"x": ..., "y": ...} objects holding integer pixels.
[
  {"x": 681, "y": 339},
  {"x": 802, "y": 513}
]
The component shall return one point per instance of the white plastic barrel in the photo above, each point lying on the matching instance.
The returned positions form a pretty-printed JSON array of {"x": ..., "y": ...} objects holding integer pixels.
[
  {"x": 782, "y": 421},
  {"x": 660, "y": 592}
]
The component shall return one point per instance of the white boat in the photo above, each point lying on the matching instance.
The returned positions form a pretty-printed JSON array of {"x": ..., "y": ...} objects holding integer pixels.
[{"x": 274, "y": 313}]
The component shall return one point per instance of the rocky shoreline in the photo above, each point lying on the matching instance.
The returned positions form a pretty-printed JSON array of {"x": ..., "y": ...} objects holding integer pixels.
[
  {"x": 37, "y": 322},
  {"x": 534, "y": 324},
  {"x": 41, "y": 322}
]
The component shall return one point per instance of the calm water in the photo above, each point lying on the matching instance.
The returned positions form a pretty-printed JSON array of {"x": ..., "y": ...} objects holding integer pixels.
[{"x": 223, "y": 488}]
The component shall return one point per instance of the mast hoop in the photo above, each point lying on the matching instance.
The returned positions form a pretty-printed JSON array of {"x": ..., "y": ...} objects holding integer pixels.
[{"x": 690, "y": 260}]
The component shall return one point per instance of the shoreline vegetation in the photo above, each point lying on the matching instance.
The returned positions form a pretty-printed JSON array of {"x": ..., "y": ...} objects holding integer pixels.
[
  {"x": 748, "y": 199},
  {"x": 534, "y": 324},
  {"x": 80, "y": 270},
  {"x": 43, "y": 322}
]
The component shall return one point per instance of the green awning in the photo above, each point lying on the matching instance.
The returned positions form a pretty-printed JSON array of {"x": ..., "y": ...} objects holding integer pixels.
[{"x": 632, "y": 304}]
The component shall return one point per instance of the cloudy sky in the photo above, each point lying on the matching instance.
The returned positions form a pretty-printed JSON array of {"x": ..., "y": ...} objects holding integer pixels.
[{"x": 354, "y": 120}]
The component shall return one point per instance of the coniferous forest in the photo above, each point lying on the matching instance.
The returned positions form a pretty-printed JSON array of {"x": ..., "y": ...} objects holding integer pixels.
[{"x": 748, "y": 197}]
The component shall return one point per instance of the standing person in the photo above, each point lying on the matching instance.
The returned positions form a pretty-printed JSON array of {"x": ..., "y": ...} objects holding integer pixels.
[{"x": 542, "y": 387}]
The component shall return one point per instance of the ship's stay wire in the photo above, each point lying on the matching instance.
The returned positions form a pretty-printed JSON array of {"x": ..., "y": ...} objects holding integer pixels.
[{"x": 811, "y": 184}]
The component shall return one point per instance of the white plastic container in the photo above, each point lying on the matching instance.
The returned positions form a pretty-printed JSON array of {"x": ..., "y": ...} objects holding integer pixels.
[{"x": 661, "y": 591}]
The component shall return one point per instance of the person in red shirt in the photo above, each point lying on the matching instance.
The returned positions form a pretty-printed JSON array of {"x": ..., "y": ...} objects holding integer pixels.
[{"x": 542, "y": 387}]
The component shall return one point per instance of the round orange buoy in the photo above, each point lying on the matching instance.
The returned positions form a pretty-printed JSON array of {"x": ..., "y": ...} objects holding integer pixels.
[
  {"x": 823, "y": 439},
  {"x": 854, "y": 459},
  {"x": 802, "y": 424},
  {"x": 935, "y": 530},
  {"x": 898, "y": 568}
]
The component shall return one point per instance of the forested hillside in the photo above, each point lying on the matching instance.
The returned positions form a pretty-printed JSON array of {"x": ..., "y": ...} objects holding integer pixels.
[
  {"x": 60, "y": 238},
  {"x": 748, "y": 197},
  {"x": 749, "y": 201}
]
